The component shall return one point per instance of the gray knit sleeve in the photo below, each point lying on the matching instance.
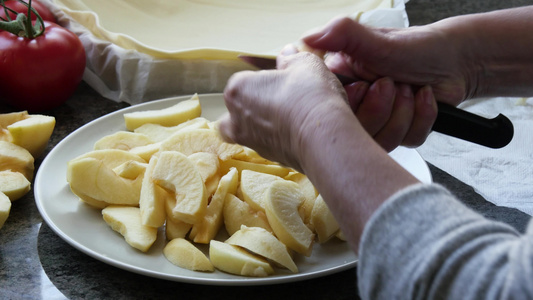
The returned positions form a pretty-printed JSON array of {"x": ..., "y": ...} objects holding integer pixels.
[{"x": 424, "y": 244}]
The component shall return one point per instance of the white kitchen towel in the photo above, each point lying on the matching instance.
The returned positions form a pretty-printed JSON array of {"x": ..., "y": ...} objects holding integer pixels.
[{"x": 502, "y": 176}]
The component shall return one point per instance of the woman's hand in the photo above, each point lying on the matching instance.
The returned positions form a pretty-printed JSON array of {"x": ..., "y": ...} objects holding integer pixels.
[
  {"x": 418, "y": 56},
  {"x": 272, "y": 111}
]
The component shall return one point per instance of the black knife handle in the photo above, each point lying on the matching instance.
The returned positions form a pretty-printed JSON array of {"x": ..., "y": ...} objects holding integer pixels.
[{"x": 493, "y": 133}]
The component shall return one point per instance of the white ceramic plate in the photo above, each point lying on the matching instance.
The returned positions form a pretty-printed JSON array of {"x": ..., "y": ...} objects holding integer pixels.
[{"x": 83, "y": 227}]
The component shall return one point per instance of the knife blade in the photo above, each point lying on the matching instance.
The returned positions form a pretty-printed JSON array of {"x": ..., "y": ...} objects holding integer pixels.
[{"x": 493, "y": 133}]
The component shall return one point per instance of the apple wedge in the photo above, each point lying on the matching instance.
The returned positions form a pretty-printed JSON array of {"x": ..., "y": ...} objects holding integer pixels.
[
  {"x": 127, "y": 221},
  {"x": 12, "y": 117},
  {"x": 90, "y": 176},
  {"x": 152, "y": 198},
  {"x": 235, "y": 260},
  {"x": 176, "y": 229},
  {"x": 206, "y": 163},
  {"x": 310, "y": 193},
  {"x": 323, "y": 221},
  {"x": 130, "y": 169},
  {"x": 170, "y": 116},
  {"x": 259, "y": 241},
  {"x": 281, "y": 206},
  {"x": 176, "y": 173},
  {"x": 254, "y": 186},
  {"x": 237, "y": 213},
  {"x": 182, "y": 253},
  {"x": 200, "y": 140},
  {"x": 14, "y": 185},
  {"x": 205, "y": 230},
  {"x": 17, "y": 159},
  {"x": 159, "y": 133},
  {"x": 241, "y": 165},
  {"x": 32, "y": 133},
  {"x": 5, "y": 208},
  {"x": 122, "y": 140}
]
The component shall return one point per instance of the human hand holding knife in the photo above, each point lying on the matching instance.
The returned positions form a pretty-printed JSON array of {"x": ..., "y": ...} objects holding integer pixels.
[{"x": 452, "y": 121}]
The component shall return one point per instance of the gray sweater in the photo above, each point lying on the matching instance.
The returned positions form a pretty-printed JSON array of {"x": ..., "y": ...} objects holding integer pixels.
[{"x": 424, "y": 244}]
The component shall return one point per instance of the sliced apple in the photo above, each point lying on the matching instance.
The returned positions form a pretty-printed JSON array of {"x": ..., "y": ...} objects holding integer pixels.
[
  {"x": 90, "y": 176},
  {"x": 122, "y": 140},
  {"x": 176, "y": 229},
  {"x": 206, "y": 230},
  {"x": 254, "y": 186},
  {"x": 200, "y": 140},
  {"x": 170, "y": 116},
  {"x": 17, "y": 159},
  {"x": 32, "y": 133},
  {"x": 112, "y": 158},
  {"x": 12, "y": 117},
  {"x": 281, "y": 206},
  {"x": 265, "y": 244},
  {"x": 251, "y": 155},
  {"x": 127, "y": 221},
  {"x": 310, "y": 193},
  {"x": 159, "y": 133},
  {"x": 5, "y": 208},
  {"x": 235, "y": 260},
  {"x": 152, "y": 198},
  {"x": 206, "y": 163},
  {"x": 183, "y": 254},
  {"x": 130, "y": 169},
  {"x": 323, "y": 221},
  {"x": 147, "y": 151},
  {"x": 241, "y": 165},
  {"x": 237, "y": 212},
  {"x": 176, "y": 173},
  {"x": 14, "y": 185}
]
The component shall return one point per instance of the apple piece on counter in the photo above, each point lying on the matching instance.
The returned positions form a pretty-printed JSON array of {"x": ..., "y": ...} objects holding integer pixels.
[
  {"x": 175, "y": 172},
  {"x": 259, "y": 241},
  {"x": 206, "y": 229},
  {"x": 235, "y": 260},
  {"x": 5, "y": 208},
  {"x": 200, "y": 140},
  {"x": 122, "y": 140},
  {"x": 323, "y": 221},
  {"x": 12, "y": 117},
  {"x": 17, "y": 159},
  {"x": 237, "y": 213},
  {"x": 281, "y": 206},
  {"x": 159, "y": 133},
  {"x": 152, "y": 198},
  {"x": 13, "y": 184},
  {"x": 126, "y": 220},
  {"x": 184, "y": 254},
  {"x": 90, "y": 176},
  {"x": 32, "y": 133},
  {"x": 254, "y": 186},
  {"x": 170, "y": 116},
  {"x": 241, "y": 165}
]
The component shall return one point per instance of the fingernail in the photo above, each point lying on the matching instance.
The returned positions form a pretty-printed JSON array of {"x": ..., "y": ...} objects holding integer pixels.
[
  {"x": 405, "y": 91},
  {"x": 386, "y": 87},
  {"x": 289, "y": 50},
  {"x": 428, "y": 96}
]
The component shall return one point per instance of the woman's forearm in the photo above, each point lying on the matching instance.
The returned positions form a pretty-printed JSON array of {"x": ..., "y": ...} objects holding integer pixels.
[
  {"x": 353, "y": 174},
  {"x": 497, "y": 50}
]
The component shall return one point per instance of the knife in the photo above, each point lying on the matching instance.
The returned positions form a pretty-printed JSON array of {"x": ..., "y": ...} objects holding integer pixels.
[{"x": 452, "y": 121}]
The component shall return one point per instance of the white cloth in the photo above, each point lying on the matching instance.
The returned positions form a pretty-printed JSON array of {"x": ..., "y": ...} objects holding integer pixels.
[{"x": 502, "y": 176}]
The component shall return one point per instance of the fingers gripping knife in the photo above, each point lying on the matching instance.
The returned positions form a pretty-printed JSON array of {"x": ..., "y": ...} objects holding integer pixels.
[{"x": 452, "y": 121}]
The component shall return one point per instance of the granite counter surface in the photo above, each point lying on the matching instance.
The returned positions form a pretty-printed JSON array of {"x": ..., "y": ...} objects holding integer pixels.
[{"x": 36, "y": 264}]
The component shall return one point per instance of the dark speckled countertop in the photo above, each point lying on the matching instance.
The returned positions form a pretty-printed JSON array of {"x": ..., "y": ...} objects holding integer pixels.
[{"x": 35, "y": 263}]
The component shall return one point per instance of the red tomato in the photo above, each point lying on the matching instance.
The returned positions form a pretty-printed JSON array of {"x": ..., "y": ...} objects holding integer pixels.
[
  {"x": 42, "y": 73},
  {"x": 15, "y": 5}
]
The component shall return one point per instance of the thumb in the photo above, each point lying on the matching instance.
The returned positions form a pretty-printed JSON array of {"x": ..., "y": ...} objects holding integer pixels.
[{"x": 341, "y": 35}]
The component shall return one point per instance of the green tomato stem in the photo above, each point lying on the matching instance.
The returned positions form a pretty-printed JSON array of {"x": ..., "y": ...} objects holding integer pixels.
[{"x": 22, "y": 25}]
